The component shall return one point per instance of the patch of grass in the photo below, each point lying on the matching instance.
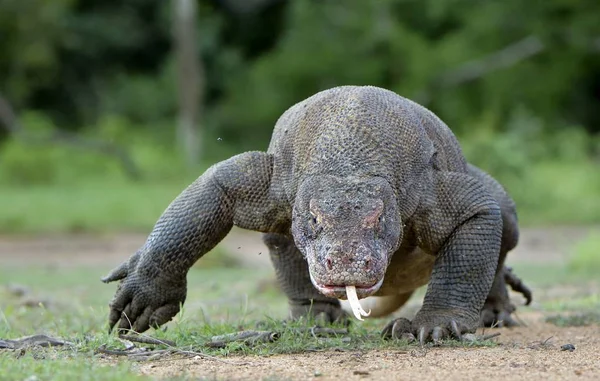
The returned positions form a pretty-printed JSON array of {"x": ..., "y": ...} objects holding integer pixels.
[
  {"x": 558, "y": 289},
  {"x": 585, "y": 302},
  {"x": 575, "y": 319},
  {"x": 75, "y": 299},
  {"x": 56, "y": 365},
  {"x": 585, "y": 259},
  {"x": 220, "y": 301},
  {"x": 92, "y": 206},
  {"x": 542, "y": 275}
]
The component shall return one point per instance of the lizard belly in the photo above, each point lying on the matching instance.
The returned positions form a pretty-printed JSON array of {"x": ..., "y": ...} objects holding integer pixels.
[{"x": 407, "y": 271}]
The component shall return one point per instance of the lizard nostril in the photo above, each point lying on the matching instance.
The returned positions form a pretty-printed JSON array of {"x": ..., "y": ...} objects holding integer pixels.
[
  {"x": 329, "y": 264},
  {"x": 368, "y": 263}
]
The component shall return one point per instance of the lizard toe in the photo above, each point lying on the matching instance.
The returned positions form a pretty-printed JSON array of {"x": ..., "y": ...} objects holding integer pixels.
[
  {"x": 118, "y": 307},
  {"x": 437, "y": 328},
  {"x": 126, "y": 321},
  {"x": 398, "y": 329},
  {"x": 438, "y": 334},
  {"x": 142, "y": 323},
  {"x": 118, "y": 273},
  {"x": 163, "y": 315}
]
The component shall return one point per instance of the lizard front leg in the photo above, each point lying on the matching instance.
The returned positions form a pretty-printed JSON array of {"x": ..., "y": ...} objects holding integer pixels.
[
  {"x": 153, "y": 280},
  {"x": 292, "y": 274},
  {"x": 460, "y": 223},
  {"x": 498, "y": 308}
]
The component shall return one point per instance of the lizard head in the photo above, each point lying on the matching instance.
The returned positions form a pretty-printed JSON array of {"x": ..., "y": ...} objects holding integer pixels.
[{"x": 347, "y": 230}]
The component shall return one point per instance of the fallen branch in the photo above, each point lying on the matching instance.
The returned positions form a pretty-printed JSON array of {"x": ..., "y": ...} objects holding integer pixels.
[
  {"x": 472, "y": 70},
  {"x": 503, "y": 58},
  {"x": 147, "y": 340},
  {"x": 33, "y": 341},
  {"x": 248, "y": 337}
]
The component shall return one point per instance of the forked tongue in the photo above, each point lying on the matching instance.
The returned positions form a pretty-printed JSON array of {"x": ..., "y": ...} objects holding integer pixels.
[{"x": 357, "y": 310}]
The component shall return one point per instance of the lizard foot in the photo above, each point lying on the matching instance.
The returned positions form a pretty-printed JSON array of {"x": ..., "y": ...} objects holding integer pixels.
[
  {"x": 498, "y": 314},
  {"x": 426, "y": 328},
  {"x": 142, "y": 301},
  {"x": 497, "y": 310}
]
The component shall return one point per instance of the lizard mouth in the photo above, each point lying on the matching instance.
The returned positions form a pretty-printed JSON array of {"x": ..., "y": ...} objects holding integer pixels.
[{"x": 339, "y": 291}]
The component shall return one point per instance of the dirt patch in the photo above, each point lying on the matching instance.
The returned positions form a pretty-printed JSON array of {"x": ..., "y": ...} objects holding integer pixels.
[{"x": 531, "y": 353}]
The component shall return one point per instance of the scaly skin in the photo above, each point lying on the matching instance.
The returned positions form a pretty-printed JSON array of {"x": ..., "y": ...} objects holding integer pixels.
[{"x": 359, "y": 187}]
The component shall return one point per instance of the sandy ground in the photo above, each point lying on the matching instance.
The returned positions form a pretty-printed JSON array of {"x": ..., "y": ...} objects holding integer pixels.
[
  {"x": 532, "y": 353},
  {"x": 525, "y": 353}
]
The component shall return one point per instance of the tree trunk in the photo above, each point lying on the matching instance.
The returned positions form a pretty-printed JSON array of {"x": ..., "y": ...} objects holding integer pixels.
[{"x": 189, "y": 78}]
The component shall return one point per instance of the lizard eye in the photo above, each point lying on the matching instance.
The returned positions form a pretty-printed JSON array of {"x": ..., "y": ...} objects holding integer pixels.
[
  {"x": 314, "y": 219},
  {"x": 379, "y": 228},
  {"x": 315, "y": 227}
]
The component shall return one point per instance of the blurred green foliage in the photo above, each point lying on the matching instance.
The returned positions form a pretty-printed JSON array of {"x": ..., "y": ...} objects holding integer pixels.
[
  {"x": 105, "y": 70},
  {"x": 585, "y": 259}
]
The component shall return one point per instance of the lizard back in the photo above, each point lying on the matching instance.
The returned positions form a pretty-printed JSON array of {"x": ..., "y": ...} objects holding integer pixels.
[{"x": 361, "y": 131}]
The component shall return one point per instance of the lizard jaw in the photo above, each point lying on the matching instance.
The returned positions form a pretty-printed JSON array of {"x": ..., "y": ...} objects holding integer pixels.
[{"x": 339, "y": 291}]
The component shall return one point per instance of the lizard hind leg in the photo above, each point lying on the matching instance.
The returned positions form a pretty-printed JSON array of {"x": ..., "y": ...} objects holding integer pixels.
[{"x": 293, "y": 277}]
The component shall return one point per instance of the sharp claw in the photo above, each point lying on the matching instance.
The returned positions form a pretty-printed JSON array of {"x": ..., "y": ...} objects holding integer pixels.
[
  {"x": 437, "y": 335},
  {"x": 113, "y": 318},
  {"x": 399, "y": 328},
  {"x": 408, "y": 337},
  {"x": 528, "y": 298},
  {"x": 455, "y": 330},
  {"x": 387, "y": 332},
  {"x": 422, "y": 336},
  {"x": 395, "y": 330}
]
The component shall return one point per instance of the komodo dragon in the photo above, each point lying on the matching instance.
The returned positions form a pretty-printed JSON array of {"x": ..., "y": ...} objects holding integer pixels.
[{"x": 361, "y": 192}]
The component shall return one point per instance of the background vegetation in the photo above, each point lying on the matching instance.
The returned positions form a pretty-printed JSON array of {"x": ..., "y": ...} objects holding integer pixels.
[
  {"x": 89, "y": 121},
  {"x": 93, "y": 86}
]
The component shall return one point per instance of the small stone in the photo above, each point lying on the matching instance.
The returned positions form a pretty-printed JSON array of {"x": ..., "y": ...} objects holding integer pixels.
[
  {"x": 567, "y": 347},
  {"x": 317, "y": 373}
]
